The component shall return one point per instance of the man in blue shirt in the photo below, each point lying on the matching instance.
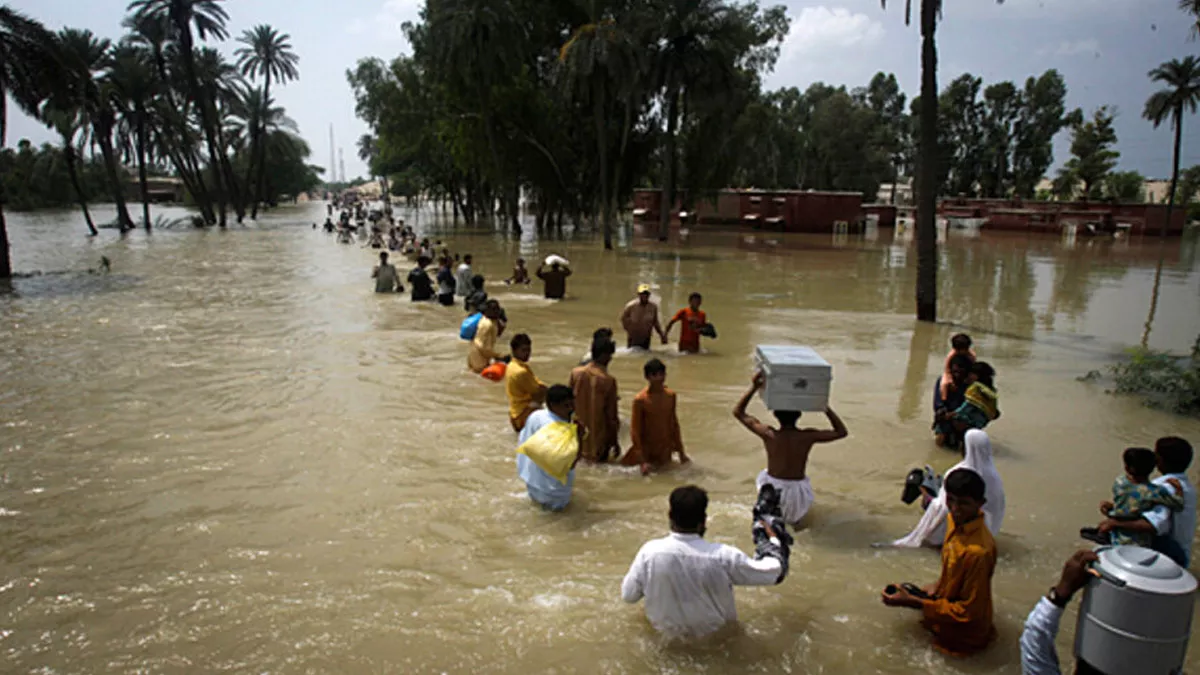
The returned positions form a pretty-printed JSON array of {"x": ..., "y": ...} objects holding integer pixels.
[
  {"x": 543, "y": 488},
  {"x": 1173, "y": 531}
]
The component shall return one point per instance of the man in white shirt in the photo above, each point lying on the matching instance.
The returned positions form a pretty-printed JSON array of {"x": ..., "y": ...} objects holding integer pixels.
[
  {"x": 463, "y": 276},
  {"x": 688, "y": 582},
  {"x": 1173, "y": 531}
]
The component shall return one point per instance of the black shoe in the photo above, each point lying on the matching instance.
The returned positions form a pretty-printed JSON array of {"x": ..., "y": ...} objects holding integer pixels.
[{"x": 1093, "y": 535}]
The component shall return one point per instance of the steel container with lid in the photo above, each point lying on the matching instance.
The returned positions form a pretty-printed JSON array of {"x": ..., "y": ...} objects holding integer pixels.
[{"x": 1137, "y": 616}]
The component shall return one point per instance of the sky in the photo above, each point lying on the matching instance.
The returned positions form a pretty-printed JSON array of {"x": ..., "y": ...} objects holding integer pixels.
[{"x": 1103, "y": 48}]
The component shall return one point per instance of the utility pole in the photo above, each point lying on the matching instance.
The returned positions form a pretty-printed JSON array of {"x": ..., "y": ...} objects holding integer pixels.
[
  {"x": 341, "y": 166},
  {"x": 332, "y": 167}
]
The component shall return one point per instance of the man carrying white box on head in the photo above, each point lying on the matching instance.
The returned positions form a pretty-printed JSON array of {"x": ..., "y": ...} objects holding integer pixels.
[{"x": 788, "y": 447}]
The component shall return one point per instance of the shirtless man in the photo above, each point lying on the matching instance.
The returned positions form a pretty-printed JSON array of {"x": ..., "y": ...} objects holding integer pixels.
[{"x": 787, "y": 452}]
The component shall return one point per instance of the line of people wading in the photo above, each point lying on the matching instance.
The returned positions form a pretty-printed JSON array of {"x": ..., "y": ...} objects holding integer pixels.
[{"x": 687, "y": 582}]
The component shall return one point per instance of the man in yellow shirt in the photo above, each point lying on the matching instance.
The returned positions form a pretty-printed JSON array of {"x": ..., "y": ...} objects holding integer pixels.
[
  {"x": 958, "y": 608},
  {"x": 525, "y": 391},
  {"x": 483, "y": 347}
]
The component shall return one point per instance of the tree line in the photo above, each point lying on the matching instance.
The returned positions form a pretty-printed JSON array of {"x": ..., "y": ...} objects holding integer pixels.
[{"x": 160, "y": 100}]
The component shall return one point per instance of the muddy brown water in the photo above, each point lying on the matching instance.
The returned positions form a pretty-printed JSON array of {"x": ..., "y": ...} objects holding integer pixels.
[{"x": 229, "y": 454}]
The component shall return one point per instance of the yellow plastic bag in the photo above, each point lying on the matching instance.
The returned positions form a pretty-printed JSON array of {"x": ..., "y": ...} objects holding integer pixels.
[{"x": 553, "y": 448}]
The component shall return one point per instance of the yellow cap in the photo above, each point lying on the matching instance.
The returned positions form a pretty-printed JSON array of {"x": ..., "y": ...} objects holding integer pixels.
[{"x": 643, "y": 288}]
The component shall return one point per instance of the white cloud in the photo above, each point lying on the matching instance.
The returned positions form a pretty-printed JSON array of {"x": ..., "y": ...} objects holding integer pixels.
[
  {"x": 820, "y": 30},
  {"x": 1088, "y": 47},
  {"x": 385, "y": 24}
]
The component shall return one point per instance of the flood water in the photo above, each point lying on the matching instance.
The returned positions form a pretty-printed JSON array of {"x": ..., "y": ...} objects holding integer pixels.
[{"x": 229, "y": 454}]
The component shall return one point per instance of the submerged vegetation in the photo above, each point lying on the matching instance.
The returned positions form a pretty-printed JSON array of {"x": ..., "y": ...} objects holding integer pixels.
[{"x": 1162, "y": 380}]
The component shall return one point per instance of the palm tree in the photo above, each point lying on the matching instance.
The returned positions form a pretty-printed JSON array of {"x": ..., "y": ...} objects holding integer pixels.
[
  {"x": 84, "y": 55},
  {"x": 28, "y": 63},
  {"x": 67, "y": 120},
  {"x": 1182, "y": 94},
  {"x": 1192, "y": 7},
  {"x": 208, "y": 18},
  {"x": 927, "y": 170},
  {"x": 219, "y": 91},
  {"x": 171, "y": 135},
  {"x": 269, "y": 54},
  {"x": 131, "y": 77}
]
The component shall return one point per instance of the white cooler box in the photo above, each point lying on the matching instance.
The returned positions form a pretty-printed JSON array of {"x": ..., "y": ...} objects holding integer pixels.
[{"x": 797, "y": 378}]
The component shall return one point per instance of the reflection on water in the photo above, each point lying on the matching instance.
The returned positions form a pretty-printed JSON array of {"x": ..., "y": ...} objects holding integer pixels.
[{"x": 231, "y": 454}]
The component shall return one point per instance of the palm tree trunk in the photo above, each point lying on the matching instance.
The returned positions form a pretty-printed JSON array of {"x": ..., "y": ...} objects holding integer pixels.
[
  {"x": 668, "y": 192},
  {"x": 259, "y": 152},
  {"x": 1162, "y": 231},
  {"x": 104, "y": 138},
  {"x": 5, "y": 254},
  {"x": 927, "y": 174},
  {"x": 73, "y": 172},
  {"x": 1162, "y": 255},
  {"x": 141, "y": 158}
]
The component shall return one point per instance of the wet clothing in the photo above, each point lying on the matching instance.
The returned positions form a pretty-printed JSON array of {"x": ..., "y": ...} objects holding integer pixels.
[
  {"x": 555, "y": 282},
  {"x": 596, "y": 409},
  {"x": 521, "y": 386},
  {"x": 979, "y": 407},
  {"x": 1131, "y": 500},
  {"x": 639, "y": 321},
  {"x": 960, "y": 615},
  {"x": 483, "y": 346},
  {"x": 946, "y": 383},
  {"x": 463, "y": 279},
  {"x": 543, "y": 488},
  {"x": 422, "y": 285},
  {"x": 654, "y": 429},
  {"x": 446, "y": 299},
  {"x": 386, "y": 278},
  {"x": 690, "y": 322},
  {"x": 1175, "y": 530},
  {"x": 1038, "y": 654},
  {"x": 931, "y": 529},
  {"x": 446, "y": 283},
  {"x": 795, "y": 496},
  {"x": 688, "y": 583}
]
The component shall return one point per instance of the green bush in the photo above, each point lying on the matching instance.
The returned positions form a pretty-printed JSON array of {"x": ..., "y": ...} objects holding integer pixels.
[{"x": 1162, "y": 380}]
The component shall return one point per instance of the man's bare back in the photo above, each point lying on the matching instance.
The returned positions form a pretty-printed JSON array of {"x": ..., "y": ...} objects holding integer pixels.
[{"x": 787, "y": 447}]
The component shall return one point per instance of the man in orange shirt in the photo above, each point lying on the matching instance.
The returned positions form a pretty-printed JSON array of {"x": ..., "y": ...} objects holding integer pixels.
[
  {"x": 596, "y": 403},
  {"x": 958, "y": 608},
  {"x": 655, "y": 426},
  {"x": 691, "y": 319}
]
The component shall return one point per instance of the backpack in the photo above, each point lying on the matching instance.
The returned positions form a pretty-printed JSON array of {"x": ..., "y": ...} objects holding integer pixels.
[{"x": 469, "y": 326}]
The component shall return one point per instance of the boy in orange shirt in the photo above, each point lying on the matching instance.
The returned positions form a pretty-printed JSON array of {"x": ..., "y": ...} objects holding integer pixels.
[
  {"x": 958, "y": 608},
  {"x": 654, "y": 427},
  {"x": 691, "y": 319}
]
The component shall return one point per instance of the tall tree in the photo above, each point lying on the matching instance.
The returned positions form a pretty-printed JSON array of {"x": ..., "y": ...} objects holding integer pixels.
[
  {"x": 927, "y": 169},
  {"x": 66, "y": 119},
  {"x": 207, "y": 18},
  {"x": 888, "y": 102},
  {"x": 603, "y": 68},
  {"x": 701, "y": 44},
  {"x": 266, "y": 53},
  {"x": 134, "y": 86},
  {"x": 84, "y": 57},
  {"x": 1042, "y": 115},
  {"x": 1001, "y": 108},
  {"x": 1181, "y": 94},
  {"x": 960, "y": 116},
  {"x": 1092, "y": 144}
]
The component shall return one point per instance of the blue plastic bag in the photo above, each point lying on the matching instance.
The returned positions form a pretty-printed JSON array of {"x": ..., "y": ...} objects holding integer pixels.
[{"x": 469, "y": 326}]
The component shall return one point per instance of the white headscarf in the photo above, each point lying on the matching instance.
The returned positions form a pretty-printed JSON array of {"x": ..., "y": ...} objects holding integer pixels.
[{"x": 932, "y": 528}]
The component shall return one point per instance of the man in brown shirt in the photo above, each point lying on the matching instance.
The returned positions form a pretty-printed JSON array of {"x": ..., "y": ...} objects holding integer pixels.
[
  {"x": 554, "y": 280},
  {"x": 640, "y": 320},
  {"x": 596, "y": 403},
  {"x": 654, "y": 426}
]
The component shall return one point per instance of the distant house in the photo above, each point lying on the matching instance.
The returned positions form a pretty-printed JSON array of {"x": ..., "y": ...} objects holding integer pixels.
[{"x": 158, "y": 189}]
